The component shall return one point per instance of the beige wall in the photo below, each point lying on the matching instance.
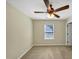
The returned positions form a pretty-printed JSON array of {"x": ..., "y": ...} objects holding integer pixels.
[
  {"x": 18, "y": 32},
  {"x": 59, "y": 33},
  {"x": 69, "y": 20}
]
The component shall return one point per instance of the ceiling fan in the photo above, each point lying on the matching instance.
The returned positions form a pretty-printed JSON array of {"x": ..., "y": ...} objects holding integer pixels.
[{"x": 51, "y": 10}]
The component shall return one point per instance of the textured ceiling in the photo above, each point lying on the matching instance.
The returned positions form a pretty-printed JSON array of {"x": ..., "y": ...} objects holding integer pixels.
[{"x": 29, "y": 6}]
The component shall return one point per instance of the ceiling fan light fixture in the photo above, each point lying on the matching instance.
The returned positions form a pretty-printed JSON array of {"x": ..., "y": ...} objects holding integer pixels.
[
  {"x": 51, "y": 12},
  {"x": 50, "y": 15}
]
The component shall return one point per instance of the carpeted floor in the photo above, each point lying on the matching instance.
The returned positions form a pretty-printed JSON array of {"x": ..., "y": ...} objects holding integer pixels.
[{"x": 49, "y": 52}]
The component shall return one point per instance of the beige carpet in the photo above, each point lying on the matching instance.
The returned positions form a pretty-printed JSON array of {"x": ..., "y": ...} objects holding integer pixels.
[{"x": 49, "y": 52}]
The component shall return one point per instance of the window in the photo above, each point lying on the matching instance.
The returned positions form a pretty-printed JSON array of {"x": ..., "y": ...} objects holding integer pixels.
[{"x": 49, "y": 31}]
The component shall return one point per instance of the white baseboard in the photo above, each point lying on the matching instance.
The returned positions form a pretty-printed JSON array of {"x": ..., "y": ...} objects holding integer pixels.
[
  {"x": 68, "y": 45},
  {"x": 24, "y": 53},
  {"x": 49, "y": 44}
]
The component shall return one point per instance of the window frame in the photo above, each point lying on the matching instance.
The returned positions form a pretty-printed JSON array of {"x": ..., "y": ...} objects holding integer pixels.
[{"x": 52, "y": 37}]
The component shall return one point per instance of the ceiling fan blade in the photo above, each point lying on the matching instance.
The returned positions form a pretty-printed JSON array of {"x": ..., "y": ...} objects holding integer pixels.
[
  {"x": 40, "y": 12},
  {"x": 46, "y": 2},
  {"x": 62, "y": 8},
  {"x": 56, "y": 15}
]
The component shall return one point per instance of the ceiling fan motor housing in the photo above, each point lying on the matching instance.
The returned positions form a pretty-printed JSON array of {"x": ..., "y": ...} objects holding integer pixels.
[{"x": 50, "y": 10}]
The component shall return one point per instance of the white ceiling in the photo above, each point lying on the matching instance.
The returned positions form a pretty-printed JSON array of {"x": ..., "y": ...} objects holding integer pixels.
[{"x": 29, "y": 6}]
